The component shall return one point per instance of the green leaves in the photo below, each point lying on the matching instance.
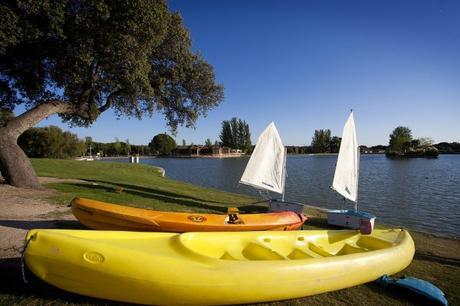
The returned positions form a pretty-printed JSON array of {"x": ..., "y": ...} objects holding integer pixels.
[
  {"x": 321, "y": 141},
  {"x": 236, "y": 135},
  {"x": 162, "y": 144},
  {"x": 402, "y": 144},
  {"x": 132, "y": 56},
  {"x": 400, "y": 139},
  {"x": 51, "y": 142}
]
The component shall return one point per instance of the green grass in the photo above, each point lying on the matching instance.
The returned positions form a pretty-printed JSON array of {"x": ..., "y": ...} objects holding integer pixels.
[
  {"x": 143, "y": 186},
  {"x": 437, "y": 259}
]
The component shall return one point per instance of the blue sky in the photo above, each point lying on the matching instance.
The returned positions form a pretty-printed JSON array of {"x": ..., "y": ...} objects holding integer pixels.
[{"x": 305, "y": 64}]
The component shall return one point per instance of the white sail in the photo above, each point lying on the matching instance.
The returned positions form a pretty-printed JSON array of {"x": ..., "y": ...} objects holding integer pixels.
[
  {"x": 266, "y": 167},
  {"x": 347, "y": 168}
]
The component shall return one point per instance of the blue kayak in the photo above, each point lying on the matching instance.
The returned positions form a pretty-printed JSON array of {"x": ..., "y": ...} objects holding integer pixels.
[{"x": 416, "y": 285}]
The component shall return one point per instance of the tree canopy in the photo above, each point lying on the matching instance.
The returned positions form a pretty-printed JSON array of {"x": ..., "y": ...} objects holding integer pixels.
[
  {"x": 133, "y": 56},
  {"x": 334, "y": 144},
  {"x": 400, "y": 139},
  {"x": 321, "y": 141},
  {"x": 162, "y": 144},
  {"x": 78, "y": 58}
]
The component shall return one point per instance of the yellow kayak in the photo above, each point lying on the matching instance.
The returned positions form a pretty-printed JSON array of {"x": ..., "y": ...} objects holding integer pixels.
[{"x": 213, "y": 268}]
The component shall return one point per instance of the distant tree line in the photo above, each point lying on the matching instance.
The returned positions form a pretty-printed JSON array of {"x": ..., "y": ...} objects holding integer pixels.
[
  {"x": 236, "y": 135},
  {"x": 52, "y": 142},
  {"x": 448, "y": 147},
  {"x": 299, "y": 149},
  {"x": 119, "y": 148},
  {"x": 373, "y": 149}
]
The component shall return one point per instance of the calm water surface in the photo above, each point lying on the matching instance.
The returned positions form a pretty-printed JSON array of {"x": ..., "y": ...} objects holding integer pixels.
[{"x": 423, "y": 194}]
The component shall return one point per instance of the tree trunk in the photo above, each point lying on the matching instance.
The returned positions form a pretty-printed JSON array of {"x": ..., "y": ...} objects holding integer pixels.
[{"x": 15, "y": 166}]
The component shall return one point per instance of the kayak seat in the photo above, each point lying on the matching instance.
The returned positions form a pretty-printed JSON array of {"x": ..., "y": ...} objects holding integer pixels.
[
  {"x": 255, "y": 251},
  {"x": 319, "y": 250},
  {"x": 299, "y": 254},
  {"x": 372, "y": 243},
  {"x": 349, "y": 249}
]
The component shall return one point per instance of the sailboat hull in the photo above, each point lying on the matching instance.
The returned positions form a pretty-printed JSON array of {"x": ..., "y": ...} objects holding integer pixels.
[{"x": 351, "y": 219}]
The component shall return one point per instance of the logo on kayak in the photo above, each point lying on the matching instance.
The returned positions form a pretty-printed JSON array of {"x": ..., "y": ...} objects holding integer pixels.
[
  {"x": 197, "y": 218},
  {"x": 93, "y": 257}
]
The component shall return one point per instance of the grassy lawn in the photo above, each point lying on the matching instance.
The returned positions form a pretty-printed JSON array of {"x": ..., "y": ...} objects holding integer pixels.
[
  {"x": 142, "y": 185},
  {"x": 437, "y": 259}
]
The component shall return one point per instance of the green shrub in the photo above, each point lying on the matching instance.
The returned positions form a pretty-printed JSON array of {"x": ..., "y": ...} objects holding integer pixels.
[{"x": 51, "y": 142}]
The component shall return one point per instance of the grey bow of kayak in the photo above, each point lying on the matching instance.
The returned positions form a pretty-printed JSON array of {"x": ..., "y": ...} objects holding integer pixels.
[{"x": 416, "y": 285}]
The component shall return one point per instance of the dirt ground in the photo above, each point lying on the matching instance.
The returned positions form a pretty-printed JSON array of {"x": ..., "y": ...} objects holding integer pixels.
[{"x": 23, "y": 209}]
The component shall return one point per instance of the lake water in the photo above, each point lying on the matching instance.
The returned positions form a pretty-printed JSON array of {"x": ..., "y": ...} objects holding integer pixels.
[{"x": 419, "y": 193}]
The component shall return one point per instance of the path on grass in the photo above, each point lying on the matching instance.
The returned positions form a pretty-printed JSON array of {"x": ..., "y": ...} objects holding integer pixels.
[{"x": 22, "y": 209}]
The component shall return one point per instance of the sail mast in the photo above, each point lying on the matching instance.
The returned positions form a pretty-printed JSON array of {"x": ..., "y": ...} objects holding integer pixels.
[{"x": 284, "y": 174}]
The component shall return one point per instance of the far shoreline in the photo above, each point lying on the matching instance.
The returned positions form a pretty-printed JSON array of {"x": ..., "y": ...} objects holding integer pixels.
[{"x": 248, "y": 155}]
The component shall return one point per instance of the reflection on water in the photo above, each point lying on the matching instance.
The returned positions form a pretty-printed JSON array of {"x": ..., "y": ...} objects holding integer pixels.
[{"x": 422, "y": 194}]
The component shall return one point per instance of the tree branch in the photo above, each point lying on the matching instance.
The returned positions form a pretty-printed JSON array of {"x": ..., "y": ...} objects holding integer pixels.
[
  {"x": 109, "y": 101},
  {"x": 30, "y": 118}
]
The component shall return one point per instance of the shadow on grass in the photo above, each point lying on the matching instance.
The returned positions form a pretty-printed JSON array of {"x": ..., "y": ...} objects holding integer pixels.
[
  {"x": 152, "y": 195},
  {"x": 157, "y": 192},
  {"x": 155, "y": 196},
  {"x": 172, "y": 198},
  {"x": 252, "y": 209},
  {"x": 43, "y": 224},
  {"x": 36, "y": 292}
]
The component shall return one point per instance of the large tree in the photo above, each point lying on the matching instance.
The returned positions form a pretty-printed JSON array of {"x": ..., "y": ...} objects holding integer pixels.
[
  {"x": 235, "y": 134},
  {"x": 162, "y": 144},
  {"x": 321, "y": 141},
  {"x": 81, "y": 58},
  {"x": 334, "y": 144},
  {"x": 400, "y": 139},
  {"x": 247, "y": 145},
  {"x": 226, "y": 135}
]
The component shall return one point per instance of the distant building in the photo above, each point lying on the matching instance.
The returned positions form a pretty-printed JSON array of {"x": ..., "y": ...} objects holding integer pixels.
[
  {"x": 372, "y": 150},
  {"x": 214, "y": 151}
]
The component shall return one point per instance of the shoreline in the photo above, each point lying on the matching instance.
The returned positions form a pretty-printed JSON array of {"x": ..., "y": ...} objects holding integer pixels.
[
  {"x": 389, "y": 215},
  {"x": 248, "y": 155},
  {"x": 436, "y": 259}
]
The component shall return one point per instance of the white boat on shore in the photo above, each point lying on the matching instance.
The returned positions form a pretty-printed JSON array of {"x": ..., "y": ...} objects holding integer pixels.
[
  {"x": 85, "y": 158},
  {"x": 345, "y": 183}
]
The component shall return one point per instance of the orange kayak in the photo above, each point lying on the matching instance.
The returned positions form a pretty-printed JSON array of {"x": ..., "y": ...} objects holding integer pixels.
[{"x": 104, "y": 216}]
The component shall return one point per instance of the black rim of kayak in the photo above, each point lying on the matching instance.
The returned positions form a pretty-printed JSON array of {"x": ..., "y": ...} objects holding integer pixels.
[{"x": 23, "y": 253}]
